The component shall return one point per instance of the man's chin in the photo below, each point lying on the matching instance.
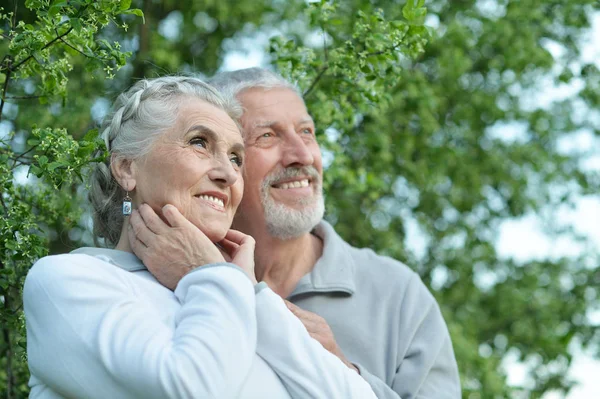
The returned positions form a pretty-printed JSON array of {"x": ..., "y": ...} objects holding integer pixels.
[
  {"x": 286, "y": 221},
  {"x": 298, "y": 204}
]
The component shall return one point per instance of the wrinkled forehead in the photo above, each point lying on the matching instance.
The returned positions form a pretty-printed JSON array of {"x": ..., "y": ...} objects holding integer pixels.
[
  {"x": 198, "y": 116},
  {"x": 265, "y": 107}
]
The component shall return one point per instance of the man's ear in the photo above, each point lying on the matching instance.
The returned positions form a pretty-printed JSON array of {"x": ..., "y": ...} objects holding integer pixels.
[{"x": 123, "y": 170}]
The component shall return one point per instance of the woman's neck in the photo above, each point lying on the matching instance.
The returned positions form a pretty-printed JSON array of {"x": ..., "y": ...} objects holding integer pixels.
[{"x": 123, "y": 244}]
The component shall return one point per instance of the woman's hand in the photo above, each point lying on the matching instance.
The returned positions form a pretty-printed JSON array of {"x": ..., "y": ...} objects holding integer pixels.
[
  {"x": 238, "y": 248},
  {"x": 169, "y": 252}
]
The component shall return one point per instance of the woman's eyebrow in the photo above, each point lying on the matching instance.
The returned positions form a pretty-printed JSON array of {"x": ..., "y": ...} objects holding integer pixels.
[
  {"x": 205, "y": 130},
  {"x": 236, "y": 147}
]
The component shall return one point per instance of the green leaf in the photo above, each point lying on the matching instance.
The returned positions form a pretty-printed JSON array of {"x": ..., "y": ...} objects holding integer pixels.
[
  {"x": 91, "y": 135},
  {"x": 56, "y": 164},
  {"x": 124, "y": 5},
  {"x": 76, "y": 24},
  {"x": 136, "y": 11}
]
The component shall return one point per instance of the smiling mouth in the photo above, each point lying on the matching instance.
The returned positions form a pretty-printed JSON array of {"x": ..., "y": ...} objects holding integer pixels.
[
  {"x": 292, "y": 184},
  {"x": 214, "y": 202}
]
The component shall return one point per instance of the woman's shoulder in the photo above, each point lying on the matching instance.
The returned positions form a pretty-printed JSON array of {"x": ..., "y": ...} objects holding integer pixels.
[
  {"x": 76, "y": 263},
  {"x": 60, "y": 272}
]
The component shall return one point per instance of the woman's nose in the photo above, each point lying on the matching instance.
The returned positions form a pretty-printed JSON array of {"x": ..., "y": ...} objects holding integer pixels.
[{"x": 222, "y": 171}]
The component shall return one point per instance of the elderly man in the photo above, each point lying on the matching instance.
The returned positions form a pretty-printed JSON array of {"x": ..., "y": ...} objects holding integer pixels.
[{"x": 371, "y": 311}]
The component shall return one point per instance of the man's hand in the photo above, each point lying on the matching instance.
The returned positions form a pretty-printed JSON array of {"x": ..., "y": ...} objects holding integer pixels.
[
  {"x": 169, "y": 251},
  {"x": 319, "y": 329}
]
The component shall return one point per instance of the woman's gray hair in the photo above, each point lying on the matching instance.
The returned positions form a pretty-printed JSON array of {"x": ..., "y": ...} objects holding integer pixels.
[
  {"x": 139, "y": 116},
  {"x": 234, "y": 82}
]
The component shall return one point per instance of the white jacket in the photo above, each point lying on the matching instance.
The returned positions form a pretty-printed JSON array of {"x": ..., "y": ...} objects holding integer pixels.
[{"x": 99, "y": 331}]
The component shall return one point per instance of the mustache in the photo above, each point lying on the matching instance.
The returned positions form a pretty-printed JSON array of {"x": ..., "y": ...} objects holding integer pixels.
[{"x": 291, "y": 172}]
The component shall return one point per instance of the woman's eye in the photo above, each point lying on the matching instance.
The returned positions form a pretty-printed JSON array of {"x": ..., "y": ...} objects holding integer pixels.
[
  {"x": 199, "y": 141},
  {"x": 236, "y": 160}
]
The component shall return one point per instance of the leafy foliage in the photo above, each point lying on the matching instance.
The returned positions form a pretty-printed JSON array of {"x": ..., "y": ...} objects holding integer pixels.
[
  {"x": 38, "y": 58},
  {"x": 414, "y": 127}
]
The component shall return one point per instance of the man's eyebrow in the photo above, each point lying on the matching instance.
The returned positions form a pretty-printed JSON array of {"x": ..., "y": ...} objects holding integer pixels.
[
  {"x": 264, "y": 124},
  {"x": 236, "y": 147},
  {"x": 306, "y": 120}
]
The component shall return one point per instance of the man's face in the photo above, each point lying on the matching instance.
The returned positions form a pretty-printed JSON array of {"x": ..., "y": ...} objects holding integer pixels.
[{"x": 283, "y": 168}]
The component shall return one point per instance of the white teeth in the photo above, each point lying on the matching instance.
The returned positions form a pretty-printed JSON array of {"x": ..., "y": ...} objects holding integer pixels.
[
  {"x": 294, "y": 184},
  {"x": 212, "y": 199}
]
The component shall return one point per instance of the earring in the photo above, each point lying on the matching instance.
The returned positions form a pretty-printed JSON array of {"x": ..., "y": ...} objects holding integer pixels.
[{"x": 127, "y": 205}]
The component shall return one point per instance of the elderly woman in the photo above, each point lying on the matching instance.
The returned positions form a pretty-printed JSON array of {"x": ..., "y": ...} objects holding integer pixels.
[{"x": 102, "y": 323}]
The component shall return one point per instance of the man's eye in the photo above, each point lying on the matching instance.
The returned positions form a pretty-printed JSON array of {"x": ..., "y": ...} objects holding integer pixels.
[
  {"x": 199, "y": 141},
  {"x": 266, "y": 135},
  {"x": 307, "y": 131},
  {"x": 236, "y": 159}
]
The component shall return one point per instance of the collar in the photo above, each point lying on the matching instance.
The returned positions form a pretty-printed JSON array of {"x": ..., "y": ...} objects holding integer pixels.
[
  {"x": 124, "y": 260},
  {"x": 334, "y": 271}
]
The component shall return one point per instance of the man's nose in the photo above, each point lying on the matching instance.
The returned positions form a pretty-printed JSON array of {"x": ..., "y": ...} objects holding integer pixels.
[{"x": 296, "y": 152}]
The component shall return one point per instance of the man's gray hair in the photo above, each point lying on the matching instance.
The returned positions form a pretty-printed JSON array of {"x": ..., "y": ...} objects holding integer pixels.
[
  {"x": 232, "y": 83},
  {"x": 139, "y": 116}
]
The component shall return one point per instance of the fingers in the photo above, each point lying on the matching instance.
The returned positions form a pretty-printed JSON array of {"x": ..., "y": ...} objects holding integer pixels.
[
  {"x": 240, "y": 238},
  {"x": 174, "y": 217},
  {"x": 136, "y": 245},
  {"x": 139, "y": 228},
  {"x": 226, "y": 255},
  {"x": 301, "y": 313},
  {"x": 309, "y": 319},
  {"x": 151, "y": 219},
  {"x": 228, "y": 246},
  {"x": 178, "y": 221}
]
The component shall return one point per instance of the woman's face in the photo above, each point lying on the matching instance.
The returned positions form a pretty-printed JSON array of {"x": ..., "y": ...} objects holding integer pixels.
[{"x": 195, "y": 166}]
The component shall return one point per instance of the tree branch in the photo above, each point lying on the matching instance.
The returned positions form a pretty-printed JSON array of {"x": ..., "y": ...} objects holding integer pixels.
[
  {"x": 14, "y": 18},
  {"x": 10, "y": 378},
  {"x": 7, "y": 62},
  {"x": 6, "y": 212},
  {"x": 325, "y": 67},
  {"x": 395, "y": 47},
  {"x": 50, "y": 43},
  {"x": 74, "y": 48},
  {"x": 19, "y": 157},
  {"x": 23, "y": 97},
  {"x": 314, "y": 82}
]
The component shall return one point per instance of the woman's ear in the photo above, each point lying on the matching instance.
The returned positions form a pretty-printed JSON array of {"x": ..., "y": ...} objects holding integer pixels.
[{"x": 123, "y": 171}]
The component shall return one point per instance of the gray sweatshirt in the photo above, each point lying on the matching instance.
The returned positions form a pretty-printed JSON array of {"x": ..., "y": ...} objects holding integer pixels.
[{"x": 384, "y": 319}]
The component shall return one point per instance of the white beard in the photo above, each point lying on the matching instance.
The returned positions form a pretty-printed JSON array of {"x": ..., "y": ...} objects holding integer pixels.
[{"x": 284, "y": 222}]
